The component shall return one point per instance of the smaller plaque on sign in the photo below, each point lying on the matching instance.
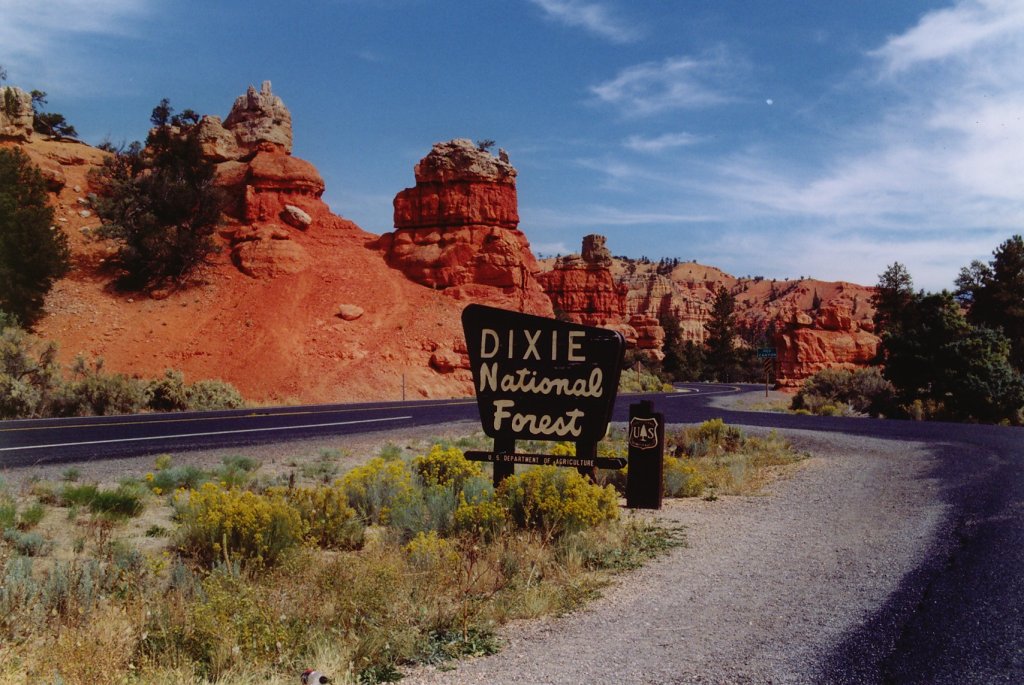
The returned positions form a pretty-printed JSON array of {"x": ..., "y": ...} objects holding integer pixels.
[{"x": 643, "y": 433}]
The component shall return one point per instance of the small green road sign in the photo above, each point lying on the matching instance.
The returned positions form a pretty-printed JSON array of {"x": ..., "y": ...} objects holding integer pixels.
[{"x": 767, "y": 353}]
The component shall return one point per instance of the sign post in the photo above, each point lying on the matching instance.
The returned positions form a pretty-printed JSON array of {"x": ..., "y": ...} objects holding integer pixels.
[
  {"x": 769, "y": 355},
  {"x": 646, "y": 457},
  {"x": 540, "y": 379}
]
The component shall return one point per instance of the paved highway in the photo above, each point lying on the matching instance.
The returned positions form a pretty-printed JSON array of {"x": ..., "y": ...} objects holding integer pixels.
[{"x": 958, "y": 618}]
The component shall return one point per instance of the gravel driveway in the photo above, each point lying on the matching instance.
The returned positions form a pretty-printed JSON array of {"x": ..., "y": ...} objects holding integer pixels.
[{"x": 765, "y": 588}]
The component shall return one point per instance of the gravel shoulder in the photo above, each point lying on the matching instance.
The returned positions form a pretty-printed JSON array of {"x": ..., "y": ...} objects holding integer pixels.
[{"x": 765, "y": 588}]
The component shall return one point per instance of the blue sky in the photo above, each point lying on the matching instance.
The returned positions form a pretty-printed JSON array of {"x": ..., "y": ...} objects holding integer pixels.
[{"x": 823, "y": 139}]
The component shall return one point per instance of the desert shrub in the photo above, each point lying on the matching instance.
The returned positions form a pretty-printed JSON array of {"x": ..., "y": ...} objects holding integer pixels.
[
  {"x": 372, "y": 487},
  {"x": 169, "y": 392},
  {"x": 556, "y": 501},
  {"x": 480, "y": 514},
  {"x": 422, "y": 509},
  {"x": 445, "y": 467},
  {"x": 81, "y": 495},
  {"x": 236, "y": 471},
  {"x": 122, "y": 502},
  {"x": 865, "y": 391},
  {"x": 711, "y": 437},
  {"x": 237, "y": 622},
  {"x": 30, "y": 377},
  {"x": 93, "y": 392},
  {"x": 330, "y": 521},
  {"x": 26, "y": 544},
  {"x": 324, "y": 468},
  {"x": 429, "y": 552},
  {"x": 168, "y": 480},
  {"x": 218, "y": 523},
  {"x": 682, "y": 479},
  {"x": 213, "y": 394}
]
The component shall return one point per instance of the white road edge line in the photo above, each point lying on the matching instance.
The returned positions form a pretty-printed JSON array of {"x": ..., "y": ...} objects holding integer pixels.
[{"x": 199, "y": 435}]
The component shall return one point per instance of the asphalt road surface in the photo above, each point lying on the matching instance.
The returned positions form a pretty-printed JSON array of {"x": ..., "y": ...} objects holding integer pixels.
[{"x": 957, "y": 618}]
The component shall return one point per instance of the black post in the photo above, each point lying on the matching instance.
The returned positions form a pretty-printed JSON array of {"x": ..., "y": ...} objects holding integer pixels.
[
  {"x": 646, "y": 457},
  {"x": 587, "y": 450},
  {"x": 503, "y": 470}
]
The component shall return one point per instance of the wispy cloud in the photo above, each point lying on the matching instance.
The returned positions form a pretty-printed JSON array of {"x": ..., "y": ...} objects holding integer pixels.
[
  {"x": 674, "y": 83},
  {"x": 954, "y": 33},
  {"x": 37, "y": 39},
  {"x": 933, "y": 178},
  {"x": 665, "y": 141},
  {"x": 595, "y": 17}
]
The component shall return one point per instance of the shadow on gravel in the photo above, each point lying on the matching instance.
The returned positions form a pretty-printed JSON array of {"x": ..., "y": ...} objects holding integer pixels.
[{"x": 959, "y": 616}]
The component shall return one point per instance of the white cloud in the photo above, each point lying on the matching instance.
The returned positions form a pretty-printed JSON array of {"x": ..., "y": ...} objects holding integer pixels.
[
  {"x": 660, "y": 143},
  {"x": 38, "y": 39},
  {"x": 674, "y": 83},
  {"x": 594, "y": 17},
  {"x": 954, "y": 32}
]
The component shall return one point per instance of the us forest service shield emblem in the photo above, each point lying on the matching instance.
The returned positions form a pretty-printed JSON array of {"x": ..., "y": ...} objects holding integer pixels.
[{"x": 643, "y": 433}]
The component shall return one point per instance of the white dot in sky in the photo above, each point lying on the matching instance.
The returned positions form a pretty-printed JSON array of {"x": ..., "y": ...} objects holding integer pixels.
[{"x": 770, "y": 101}]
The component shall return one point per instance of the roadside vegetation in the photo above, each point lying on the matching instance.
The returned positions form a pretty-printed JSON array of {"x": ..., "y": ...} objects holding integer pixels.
[
  {"x": 34, "y": 384},
  {"x": 946, "y": 356},
  {"x": 236, "y": 576}
]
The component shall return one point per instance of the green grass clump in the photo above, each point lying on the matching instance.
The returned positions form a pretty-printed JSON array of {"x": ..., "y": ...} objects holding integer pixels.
[
  {"x": 31, "y": 516},
  {"x": 123, "y": 502}
]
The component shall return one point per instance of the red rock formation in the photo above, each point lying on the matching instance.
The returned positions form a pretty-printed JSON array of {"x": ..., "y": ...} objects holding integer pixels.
[
  {"x": 830, "y": 340},
  {"x": 582, "y": 289},
  {"x": 270, "y": 193},
  {"x": 456, "y": 230}
]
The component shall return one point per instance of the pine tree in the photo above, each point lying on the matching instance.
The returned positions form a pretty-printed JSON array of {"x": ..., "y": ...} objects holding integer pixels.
[
  {"x": 33, "y": 252},
  {"x": 160, "y": 203},
  {"x": 721, "y": 357},
  {"x": 994, "y": 294}
]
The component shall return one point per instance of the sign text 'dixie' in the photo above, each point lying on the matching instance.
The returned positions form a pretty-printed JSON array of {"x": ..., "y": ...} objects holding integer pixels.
[{"x": 541, "y": 379}]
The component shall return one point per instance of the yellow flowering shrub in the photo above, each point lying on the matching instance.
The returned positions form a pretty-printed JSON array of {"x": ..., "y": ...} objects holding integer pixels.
[
  {"x": 218, "y": 523},
  {"x": 682, "y": 479},
  {"x": 428, "y": 551},
  {"x": 482, "y": 516},
  {"x": 556, "y": 501},
  {"x": 372, "y": 487},
  {"x": 329, "y": 520},
  {"x": 445, "y": 467},
  {"x": 564, "y": 449}
]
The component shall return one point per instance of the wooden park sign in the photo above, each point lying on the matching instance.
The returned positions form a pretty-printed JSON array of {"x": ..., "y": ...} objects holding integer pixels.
[{"x": 540, "y": 379}]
